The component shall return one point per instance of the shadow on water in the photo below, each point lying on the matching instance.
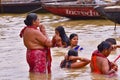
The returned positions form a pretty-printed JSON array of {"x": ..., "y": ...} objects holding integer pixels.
[{"x": 13, "y": 63}]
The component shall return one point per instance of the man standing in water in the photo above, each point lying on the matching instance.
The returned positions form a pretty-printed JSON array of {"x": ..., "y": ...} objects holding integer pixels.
[
  {"x": 38, "y": 45},
  {"x": 99, "y": 62}
]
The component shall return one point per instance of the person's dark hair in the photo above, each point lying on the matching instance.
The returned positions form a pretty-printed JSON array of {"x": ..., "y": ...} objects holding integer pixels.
[
  {"x": 63, "y": 35},
  {"x": 30, "y": 18},
  {"x": 111, "y": 40},
  {"x": 72, "y": 52},
  {"x": 103, "y": 45},
  {"x": 72, "y": 35}
]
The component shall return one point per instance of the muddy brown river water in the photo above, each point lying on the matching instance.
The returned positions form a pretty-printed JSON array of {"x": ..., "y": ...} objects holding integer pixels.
[{"x": 13, "y": 65}]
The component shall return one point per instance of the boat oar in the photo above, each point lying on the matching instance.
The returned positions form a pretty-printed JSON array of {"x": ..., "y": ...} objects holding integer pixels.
[
  {"x": 115, "y": 27},
  {"x": 34, "y": 10},
  {"x": 117, "y": 58}
]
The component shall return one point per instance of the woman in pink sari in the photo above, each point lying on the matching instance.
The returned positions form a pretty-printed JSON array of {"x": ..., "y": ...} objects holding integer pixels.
[{"x": 38, "y": 45}]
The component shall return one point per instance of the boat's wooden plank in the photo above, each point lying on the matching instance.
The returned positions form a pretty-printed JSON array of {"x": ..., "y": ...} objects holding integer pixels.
[{"x": 112, "y": 9}]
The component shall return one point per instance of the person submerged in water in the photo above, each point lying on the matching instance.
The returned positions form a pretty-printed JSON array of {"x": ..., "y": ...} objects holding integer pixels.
[
  {"x": 72, "y": 60},
  {"x": 60, "y": 39},
  {"x": 74, "y": 42},
  {"x": 113, "y": 42},
  {"x": 99, "y": 63}
]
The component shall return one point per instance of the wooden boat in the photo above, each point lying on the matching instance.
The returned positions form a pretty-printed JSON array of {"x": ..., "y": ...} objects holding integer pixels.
[
  {"x": 19, "y": 6},
  {"x": 75, "y": 10},
  {"x": 23, "y": 6},
  {"x": 111, "y": 12}
]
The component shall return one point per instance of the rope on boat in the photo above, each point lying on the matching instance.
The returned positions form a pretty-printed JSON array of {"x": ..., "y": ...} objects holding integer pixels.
[
  {"x": 34, "y": 10},
  {"x": 40, "y": 7}
]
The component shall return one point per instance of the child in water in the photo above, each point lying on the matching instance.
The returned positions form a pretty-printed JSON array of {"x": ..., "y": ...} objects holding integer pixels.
[{"x": 72, "y": 60}]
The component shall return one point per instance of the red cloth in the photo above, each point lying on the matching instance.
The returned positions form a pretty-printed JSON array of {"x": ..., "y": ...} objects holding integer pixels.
[
  {"x": 22, "y": 31},
  {"x": 49, "y": 59},
  {"x": 97, "y": 53},
  {"x": 39, "y": 60},
  {"x": 93, "y": 60}
]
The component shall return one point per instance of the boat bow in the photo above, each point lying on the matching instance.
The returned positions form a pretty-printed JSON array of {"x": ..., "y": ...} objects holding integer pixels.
[{"x": 110, "y": 12}]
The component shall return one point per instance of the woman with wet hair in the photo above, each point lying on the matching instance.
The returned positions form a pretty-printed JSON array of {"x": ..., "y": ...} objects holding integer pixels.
[
  {"x": 99, "y": 62},
  {"x": 37, "y": 43},
  {"x": 60, "y": 39},
  {"x": 72, "y": 60},
  {"x": 74, "y": 42}
]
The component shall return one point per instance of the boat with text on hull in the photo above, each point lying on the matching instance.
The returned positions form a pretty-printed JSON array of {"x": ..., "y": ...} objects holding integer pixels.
[{"x": 75, "y": 10}]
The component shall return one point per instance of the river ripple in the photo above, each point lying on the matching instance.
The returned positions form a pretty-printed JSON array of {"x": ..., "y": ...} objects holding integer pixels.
[{"x": 13, "y": 64}]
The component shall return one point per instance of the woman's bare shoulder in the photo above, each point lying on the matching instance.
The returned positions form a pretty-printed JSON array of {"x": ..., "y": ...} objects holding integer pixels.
[{"x": 102, "y": 59}]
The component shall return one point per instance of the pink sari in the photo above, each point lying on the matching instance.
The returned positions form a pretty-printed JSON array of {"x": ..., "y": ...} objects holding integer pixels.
[{"x": 39, "y": 60}]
